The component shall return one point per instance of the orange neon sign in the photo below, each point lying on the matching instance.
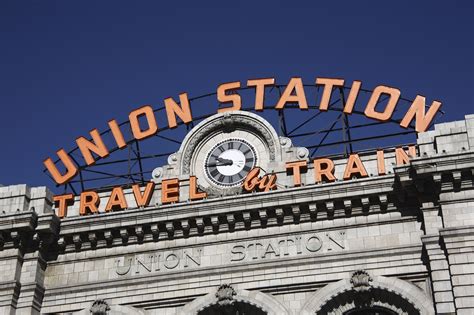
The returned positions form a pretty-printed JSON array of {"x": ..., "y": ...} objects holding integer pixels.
[{"x": 94, "y": 149}]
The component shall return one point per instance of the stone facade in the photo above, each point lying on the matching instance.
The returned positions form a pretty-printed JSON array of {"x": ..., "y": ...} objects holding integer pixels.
[{"x": 399, "y": 243}]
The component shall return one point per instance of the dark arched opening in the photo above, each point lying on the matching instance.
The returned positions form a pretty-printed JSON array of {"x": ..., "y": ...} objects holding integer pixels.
[
  {"x": 373, "y": 301},
  {"x": 236, "y": 308},
  {"x": 375, "y": 310}
]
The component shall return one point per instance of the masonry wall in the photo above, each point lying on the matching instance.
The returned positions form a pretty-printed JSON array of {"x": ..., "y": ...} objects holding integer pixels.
[{"x": 381, "y": 243}]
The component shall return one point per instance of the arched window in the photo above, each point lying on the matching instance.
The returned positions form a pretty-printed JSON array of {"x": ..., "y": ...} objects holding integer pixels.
[
  {"x": 367, "y": 295},
  {"x": 228, "y": 301}
]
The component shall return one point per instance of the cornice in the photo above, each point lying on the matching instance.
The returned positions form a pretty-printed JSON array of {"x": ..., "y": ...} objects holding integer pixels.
[
  {"x": 351, "y": 190},
  {"x": 286, "y": 206}
]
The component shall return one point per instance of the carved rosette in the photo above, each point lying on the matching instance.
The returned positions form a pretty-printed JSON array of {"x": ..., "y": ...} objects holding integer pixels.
[
  {"x": 99, "y": 307},
  {"x": 225, "y": 295},
  {"x": 360, "y": 281}
]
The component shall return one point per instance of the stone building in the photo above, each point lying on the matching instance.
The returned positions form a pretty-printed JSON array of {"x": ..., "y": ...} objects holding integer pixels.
[{"x": 399, "y": 243}]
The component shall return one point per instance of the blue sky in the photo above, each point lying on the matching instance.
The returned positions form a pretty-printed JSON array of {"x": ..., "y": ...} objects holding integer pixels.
[{"x": 67, "y": 67}]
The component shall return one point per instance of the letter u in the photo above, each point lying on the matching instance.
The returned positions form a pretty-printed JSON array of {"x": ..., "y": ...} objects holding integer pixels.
[{"x": 71, "y": 169}]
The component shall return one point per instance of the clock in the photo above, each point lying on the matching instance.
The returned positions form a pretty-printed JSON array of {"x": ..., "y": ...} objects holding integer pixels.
[{"x": 229, "y": 161}]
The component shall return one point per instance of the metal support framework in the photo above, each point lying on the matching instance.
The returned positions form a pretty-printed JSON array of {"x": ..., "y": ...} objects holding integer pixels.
[
  {"x": 140, "y": 162},
  {"x": 328, "y": 131},
  {"x": 346, "y": 130},
  {"x": 281, "y": 119}
]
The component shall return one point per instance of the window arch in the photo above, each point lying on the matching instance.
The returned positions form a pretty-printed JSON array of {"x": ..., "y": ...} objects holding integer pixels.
[
  {"x": 227, "y": 300},
  {"x": 361, "y": 294}
]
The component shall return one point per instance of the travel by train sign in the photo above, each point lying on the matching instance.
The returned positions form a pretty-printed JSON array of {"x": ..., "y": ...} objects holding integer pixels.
[
  {"x": 170, "y": 190},
  {"x": 143, "y": 124}
]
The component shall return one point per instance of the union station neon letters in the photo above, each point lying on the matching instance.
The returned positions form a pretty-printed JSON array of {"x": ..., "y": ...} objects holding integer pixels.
[{"x": 294, "y": 93}]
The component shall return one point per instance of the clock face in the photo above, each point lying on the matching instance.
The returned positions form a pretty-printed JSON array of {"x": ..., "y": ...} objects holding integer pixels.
[{"x": 228, "y": 162}]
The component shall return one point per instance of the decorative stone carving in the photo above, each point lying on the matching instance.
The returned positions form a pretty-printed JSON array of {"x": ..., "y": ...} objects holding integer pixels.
[
  {"x": 295, "y": 210},
  {"x": 92, "y": 239},
  {"x": 200, "y": 223},
  {"x": 173, "y": 159},
  {"x": 246, "y": 216},
  {"x": 170, "y": 228},
  {"x": 225, "y": 295},
  {"x": 139, "y": 232},
  {"x": 215, "y": 221},
  {"x": 16, "y": 238},
  {"x": 228, "y": 124},
  {"x": 285, "y": 142},
  {"x": 76, "y": 239},
  {"x": 124, "y": 235},
  {"x": 361, "y": 281},
  {"x": 158, "y": 172},
  {"x": 36, "y": 238},
  {"x": 313, "y": 209},
  {"x": 302, "y": 152},
  {"x": 108, "y": 236},
  {"x": 61, "y": 243},
  {"x": 155, "y": 230},
  {"x": 231, "y": 219},
  {"x": 365, "y": 202},
  {"x": 99, "y": 307},
  {"x": 348, "y": 204},
  {"x": 185, "y": 225},
  {"x": 330, "y": 206}
]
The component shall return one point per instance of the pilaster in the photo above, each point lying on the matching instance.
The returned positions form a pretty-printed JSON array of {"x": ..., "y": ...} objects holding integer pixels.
[
  {"x": 440, "y": 275},
  {"x": 459, "y": 244}
]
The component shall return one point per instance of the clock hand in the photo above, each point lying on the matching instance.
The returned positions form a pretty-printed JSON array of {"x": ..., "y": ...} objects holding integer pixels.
[
  {"x": 224, "y": 163},
  {"x": 223, "y": 160},
  {"x": 227, "y": 161}
]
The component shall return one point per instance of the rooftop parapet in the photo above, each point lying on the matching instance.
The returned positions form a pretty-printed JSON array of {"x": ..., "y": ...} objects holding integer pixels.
[
  {"x": 20, "y": 198},
  {"x": 449, "y": 137}
]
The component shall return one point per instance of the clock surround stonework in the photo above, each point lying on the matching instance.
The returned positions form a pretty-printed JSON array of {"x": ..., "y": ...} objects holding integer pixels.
[{"x": 272, "y": 151}]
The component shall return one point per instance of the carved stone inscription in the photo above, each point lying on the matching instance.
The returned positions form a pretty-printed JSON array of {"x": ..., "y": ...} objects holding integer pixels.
[
  {"x": 156, "y": 262},
  {"x": 221, "y": 254},
  {"x": 288, "y": 246}
]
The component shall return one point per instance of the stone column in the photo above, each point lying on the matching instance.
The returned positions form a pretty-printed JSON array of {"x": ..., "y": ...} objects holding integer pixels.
[
  {"x": 32, "y": 284},
  {"x": 440, "y": 275},
  {"x": 459, "y": 243},
  {"x": 457, "y": 205},
  {"x": 10, "y": 265},
  {"x": 27, "y": 226}
]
